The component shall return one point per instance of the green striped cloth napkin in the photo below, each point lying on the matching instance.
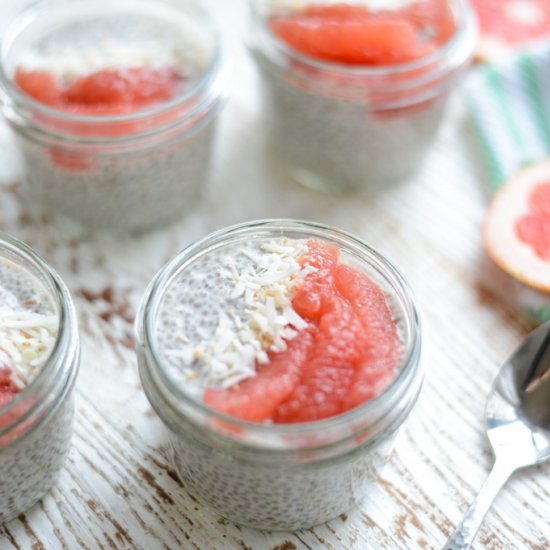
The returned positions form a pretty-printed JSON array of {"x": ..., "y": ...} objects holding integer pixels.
[{"x": 509, "y": 104}]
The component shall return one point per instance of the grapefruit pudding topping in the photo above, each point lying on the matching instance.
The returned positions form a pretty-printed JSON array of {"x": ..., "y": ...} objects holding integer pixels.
[
  {"x": 114, "y": 107},
  {"x": 293, "y": 335},
  {"x": 354, "y": 91},
  {"x": 282, "y": 356},
  {"x": 39, "y": 356}
]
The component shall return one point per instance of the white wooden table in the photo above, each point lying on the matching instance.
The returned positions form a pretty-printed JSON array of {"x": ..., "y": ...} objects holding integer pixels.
[{"x": 118, "y": 489}]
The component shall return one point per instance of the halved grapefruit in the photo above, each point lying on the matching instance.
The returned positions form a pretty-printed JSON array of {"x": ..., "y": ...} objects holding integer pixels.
[
  {"x": 517, "y": 226},
  {"x": 508, "y": 24}
]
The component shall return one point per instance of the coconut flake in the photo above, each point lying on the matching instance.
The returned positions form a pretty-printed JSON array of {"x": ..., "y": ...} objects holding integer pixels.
[
  {"x": 265, "y": 286},
  {"x": 26, "y": 340}
]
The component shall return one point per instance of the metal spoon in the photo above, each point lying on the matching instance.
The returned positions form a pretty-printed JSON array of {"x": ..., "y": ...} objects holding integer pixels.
[{"x": 517, "y": 420}]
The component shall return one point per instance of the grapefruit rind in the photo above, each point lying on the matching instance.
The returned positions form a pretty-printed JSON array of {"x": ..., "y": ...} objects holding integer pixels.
[{"x": 500, "y": 239}]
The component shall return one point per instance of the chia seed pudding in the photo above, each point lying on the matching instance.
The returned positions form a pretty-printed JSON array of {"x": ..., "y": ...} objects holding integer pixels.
[
  {"x": 39, "y": 356},
  {"x": 338, "y": 122},
  {"x": 260, "y": 372},
  {"x": 114, "y": 107}
]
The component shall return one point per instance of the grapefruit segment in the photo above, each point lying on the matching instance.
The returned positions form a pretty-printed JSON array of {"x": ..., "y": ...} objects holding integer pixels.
[
  {"x": 359, "y": 41},
  {"x": 136, "y": 87},
  {"x": 315, "y": 292},
  {"x": 109, "y": 92},
  {"x": 355, "y": 35},
  {"x": 327, "y": 376},
  {"x": 40, "y": 85},
  {"x": 516, "y": 233},
  {"x": 105, "y": 92},
  {"x": 256, "y": 398},
  {"x": 8, "y": 390},
  {"x": 378, "y": 363}
]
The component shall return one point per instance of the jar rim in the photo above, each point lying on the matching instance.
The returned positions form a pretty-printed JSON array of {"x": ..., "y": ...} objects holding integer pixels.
[
  {"x": 65, "y": 352},
  {"x": 215, "y": 77},
  {"x": 463, "y": 38},
  {"x": 145, "y": 321}
]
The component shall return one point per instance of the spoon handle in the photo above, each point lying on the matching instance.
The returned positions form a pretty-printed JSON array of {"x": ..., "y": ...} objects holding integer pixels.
[{"x": 466, "y": 531}]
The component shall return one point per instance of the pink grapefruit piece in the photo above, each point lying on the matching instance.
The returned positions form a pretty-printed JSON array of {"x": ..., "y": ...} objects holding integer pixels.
[
  {"x": 8, "y": 390},
  {"x": 328, "y": 374},
  {"x": 382, "y": 349},
  {"x": 256, "y": 398},
  {"x": 516, "y": 233},
  {"x": 40, "y": 85},
  {"x": 350, "y": 35},
  {"x": 135, "y": 87},
  {"x": 315, "y": 292}
]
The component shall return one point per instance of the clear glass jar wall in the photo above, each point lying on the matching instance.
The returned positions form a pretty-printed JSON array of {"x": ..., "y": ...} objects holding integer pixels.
[
  {"x": 108, "y": 165},
  {"x": 353, "y": 127},
  {"x": 280, "y": 476},
  {"x": 36, "y": 425}
]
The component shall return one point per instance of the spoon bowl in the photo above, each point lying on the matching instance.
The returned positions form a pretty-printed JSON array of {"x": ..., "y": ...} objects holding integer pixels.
[{"x": 517, "y": 421}]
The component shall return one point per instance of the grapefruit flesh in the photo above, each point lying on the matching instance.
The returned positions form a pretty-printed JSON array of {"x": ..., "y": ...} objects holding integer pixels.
[
  {"x": 533, "y": 228},
  {"x": 256, "y": 398},
  {"x": 516, "y": 233},
  {"x": 347, "y": 354},
  {"x": 327, "y": 376},
  {"x": 377, "y": 365},
  {"x": 105, "y": 92},
  {"x": 109, "y": 92},
  {"x": 355, "y": 35},
  {"x": 133, "y": 88},
  {"x": 8, "y": 390},
  {"x": 317, "y": 289},
  {"x": 40, "y": 85}
]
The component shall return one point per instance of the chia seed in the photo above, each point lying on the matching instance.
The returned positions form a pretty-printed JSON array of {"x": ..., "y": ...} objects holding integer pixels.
[
  {"x": 127, "y": 191},
  {"x": 340, "y": 145},
  {"x": 31, "y": 465},
  {"x": 207, "y": 305},
  {"x": 276, "y": 495}
]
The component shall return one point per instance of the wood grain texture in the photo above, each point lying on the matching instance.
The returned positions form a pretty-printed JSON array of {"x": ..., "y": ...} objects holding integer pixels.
[{"x": 118, "y": 490}]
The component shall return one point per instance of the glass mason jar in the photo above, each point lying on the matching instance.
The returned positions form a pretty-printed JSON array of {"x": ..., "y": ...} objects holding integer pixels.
[
  {"x": 36, "y": 425},
  {"x": 279, "y": 476},
  {"x": 117, "y": 169},
  {"x": 339, "y": 127}
]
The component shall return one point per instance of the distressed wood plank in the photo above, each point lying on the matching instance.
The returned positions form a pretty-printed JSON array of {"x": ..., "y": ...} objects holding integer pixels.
[{"x": 118, "y": 489}]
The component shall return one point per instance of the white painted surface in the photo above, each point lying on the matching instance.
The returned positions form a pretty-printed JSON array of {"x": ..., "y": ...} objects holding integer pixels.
[{"x": 118, "y": 491}]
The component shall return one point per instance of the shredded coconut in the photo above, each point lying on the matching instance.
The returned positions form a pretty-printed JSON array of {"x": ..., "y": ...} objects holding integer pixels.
[
  {"x": 163, "y": 39},
  {"x": 265, "y": 285},
  {"x": 26, "y": 341}
]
